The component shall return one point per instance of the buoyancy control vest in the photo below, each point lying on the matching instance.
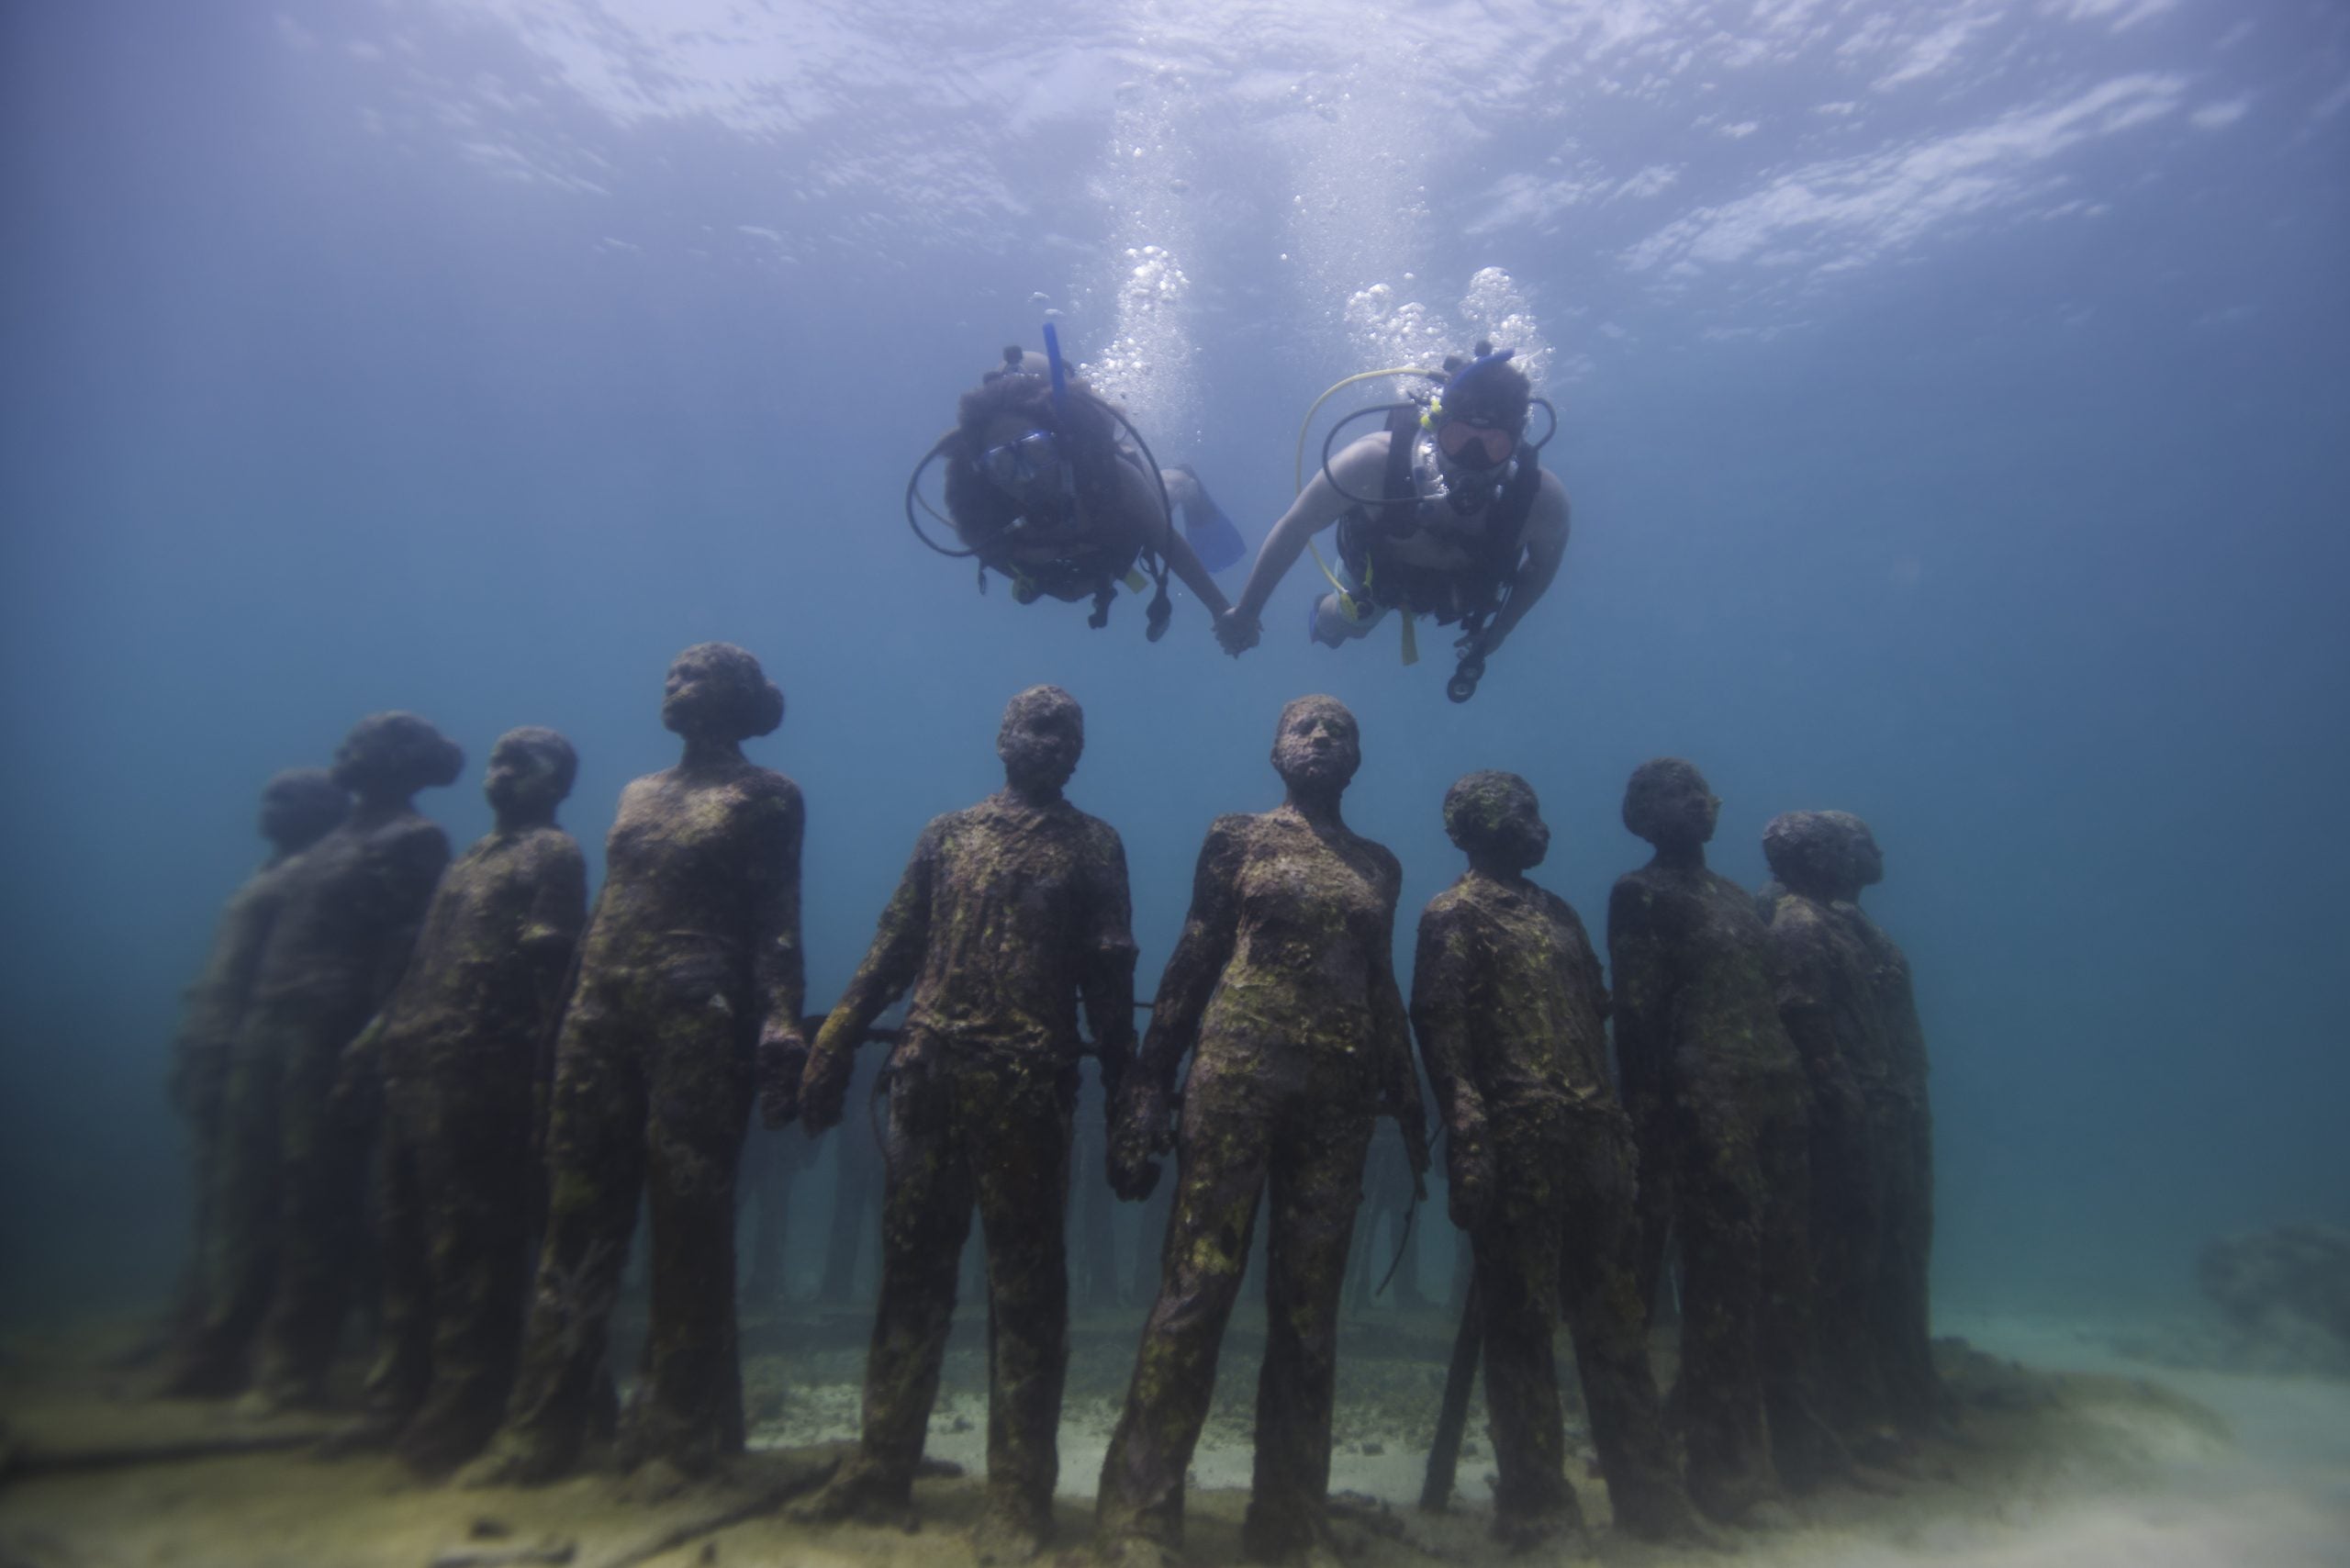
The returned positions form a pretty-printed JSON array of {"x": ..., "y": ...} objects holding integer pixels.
[{"x": 1476, "y": 589}]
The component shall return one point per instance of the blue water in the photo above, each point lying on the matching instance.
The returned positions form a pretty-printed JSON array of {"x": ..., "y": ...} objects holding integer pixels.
[{"x": 1956, "y": 411}]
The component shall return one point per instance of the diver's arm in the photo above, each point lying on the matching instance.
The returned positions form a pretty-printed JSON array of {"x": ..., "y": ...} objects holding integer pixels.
[
  {"x": 1361, "y": 468},
  {"x": 1546, "y": 547}
]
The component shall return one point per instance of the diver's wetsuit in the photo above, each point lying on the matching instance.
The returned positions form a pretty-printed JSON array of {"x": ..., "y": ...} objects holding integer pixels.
[
  {"x": 1008, "y": 913},
  {"x": 694, "y": 941},
  {"x": 458, "y": 1051},
  {"x": 1715, "y": 1097},
  {"x": 1283, "y": 974},
  {"x": 1511, "y": 1013}
]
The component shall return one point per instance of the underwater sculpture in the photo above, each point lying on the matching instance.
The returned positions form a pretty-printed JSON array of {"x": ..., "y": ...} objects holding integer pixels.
[
  {"x": 1010, "y": 912},
  {"x": 688, "y": 992},
  {"x": 1283, "y": 990},
  {"x": 1716, "y": 1096},
  {"x": 1827, "y": 1000},
  {"x": 1902, "y": 1123},
  {"x": 288, "y": 1185},
  {"x": 1511, "y": 1013},
  {"x": 299, "y": 807},
  {"x": 458, "y": 1052}
]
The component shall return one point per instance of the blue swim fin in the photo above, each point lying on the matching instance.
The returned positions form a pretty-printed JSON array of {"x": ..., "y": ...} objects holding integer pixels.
[{"x": 1212, "y": 538}]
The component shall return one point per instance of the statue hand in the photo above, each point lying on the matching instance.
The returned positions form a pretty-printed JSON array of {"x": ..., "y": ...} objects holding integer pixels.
[
  {"x": 1469, "y": 1180},
  {"x": 781, "y": 1059},
  {"x": 1138, "y": 1130},
  {"x": 823, "y": 1084},
  {"x": 1238, "y": 634}
]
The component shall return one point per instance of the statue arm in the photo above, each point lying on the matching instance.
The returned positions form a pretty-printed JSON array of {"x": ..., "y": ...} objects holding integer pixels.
[
  {"x": 1399, "y": 1078},
  {"x": 1142, "y": 1114},
  {"x": 890, "y": 965},
  {"x": 1443, "y": 987},
  {"x": 1107, "y": 983},
  {"x": 1640, "y": 1001}
]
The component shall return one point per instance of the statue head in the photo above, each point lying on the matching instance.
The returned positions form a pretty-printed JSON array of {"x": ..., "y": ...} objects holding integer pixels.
[
  {"x": 1822, "y": 854},
  {"x": 717, "y": 691},
  {"x": 1667, "y": 803},
  {"x": 392, "y": 755},
  {"x": 1042, "y": 736},
  {"x": 300, "y": 806},
  {"x": 1318, "y": 745},
  {"x": 1496, "y": 821},
  {"x": 531, "y": 772}
]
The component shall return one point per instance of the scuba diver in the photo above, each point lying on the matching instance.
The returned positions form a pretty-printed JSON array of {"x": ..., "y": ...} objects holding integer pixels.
[
  {"x": 1445, "y": 512},
  {"x": 1049, "y": 484}
]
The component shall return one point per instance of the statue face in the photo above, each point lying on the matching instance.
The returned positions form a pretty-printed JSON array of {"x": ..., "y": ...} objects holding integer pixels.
[
  {"x": 1496, "y": 818},
  {"x": 1318, "y": 745},
  {"x": 1865, "y": 862},
  {"x": 1671, "y": 805},
  {"x": 1519, "y": 837},
  {"x": 1043, "y": 736},
  {"x": 699, "y": 691},
  {"x": 523, "y": 779}
]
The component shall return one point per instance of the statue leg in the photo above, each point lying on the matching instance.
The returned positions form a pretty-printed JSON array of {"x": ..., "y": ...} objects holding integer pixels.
[
  {"x": 1019, "y": 1151},
  {"x": 403, "y": 1363},
  {"x": 1220, "y": 1173},
  {"x": 595, "y": 1171},
  {"x": 1316, "y": 1185},
  {"x": 926, "y": 1219},
  {"x": 239, "y": 1261},
  {"x": 690, "y": 1410},
  {"x": 1600, "y": 1280},
  {"x": 1719, "y": 1205},
  {"x": 322, "y": 1172},
  {"x": 474, "y": 1169},
  {"x": 1517, "y": 1285}
]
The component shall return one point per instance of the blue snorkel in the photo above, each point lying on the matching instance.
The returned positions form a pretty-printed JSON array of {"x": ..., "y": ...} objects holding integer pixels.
[{"x": 1060, "y": 373}]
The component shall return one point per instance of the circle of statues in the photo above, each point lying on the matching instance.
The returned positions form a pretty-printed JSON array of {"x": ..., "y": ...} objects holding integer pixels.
[{"x": 1753, "y": 1156}]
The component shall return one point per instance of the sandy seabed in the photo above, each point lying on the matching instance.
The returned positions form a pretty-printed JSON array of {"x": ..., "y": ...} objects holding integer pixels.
[{"x": 2105, "y": 1461}]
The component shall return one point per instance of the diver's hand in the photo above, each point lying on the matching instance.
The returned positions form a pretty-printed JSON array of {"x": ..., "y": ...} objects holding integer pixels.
[
  {"x": 824, "y": 1084},
  {"x": 781, "y": 1060},
  {"x": 1237, "y": 633}
]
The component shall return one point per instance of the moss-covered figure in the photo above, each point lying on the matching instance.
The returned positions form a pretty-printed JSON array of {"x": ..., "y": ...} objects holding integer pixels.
[
  {"x": 456, "y": 1050},
  {"x": 1511, "y": 1013},
  {"x": 299, "y": 807},
  {"x": 1901, "y": 1119},
  {"x": 1828, "y": 1001},
  {"x": 1282, "y": 987},
  {"x": 292, "y": 1165},
  {"x": 1010, "y": 914},
  {"x": 1716, "y": 1096},
  {"x": 690, "y": 989}
]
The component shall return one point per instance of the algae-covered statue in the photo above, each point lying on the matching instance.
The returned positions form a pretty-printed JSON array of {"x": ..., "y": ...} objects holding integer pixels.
[
  {"x": 691, "y": 981},
  {"x": 1282, "y": 989},
  {"x": 1901, "y": 1121},
  {"x": 299, "y": 807},
  {"x": 457, "y": 1050},
  {"x": 1511, "y": 1013},
  {"x": 1716, "y": 1096},
  {"x": 1011, "y": 913},
  {"x": 288, "y": 1187},
  {"x": 1828, "y": 1001}
]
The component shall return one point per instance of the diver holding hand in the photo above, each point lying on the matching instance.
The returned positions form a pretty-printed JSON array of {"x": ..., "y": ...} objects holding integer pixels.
[
  {"x": 1050, "y": 484},
  {"x": 1447, "y": 513}
]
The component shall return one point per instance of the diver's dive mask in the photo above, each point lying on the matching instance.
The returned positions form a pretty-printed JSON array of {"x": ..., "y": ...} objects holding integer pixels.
[{"x": 1035, "y": 456}]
